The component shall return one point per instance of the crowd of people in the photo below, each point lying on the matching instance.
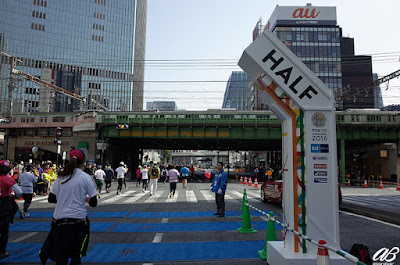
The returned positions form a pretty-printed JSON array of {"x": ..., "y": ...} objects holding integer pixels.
[{"x": 74, "y": 185}]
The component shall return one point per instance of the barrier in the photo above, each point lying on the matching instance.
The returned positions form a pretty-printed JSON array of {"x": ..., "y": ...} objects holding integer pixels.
[{"x": 340, "y": 252}]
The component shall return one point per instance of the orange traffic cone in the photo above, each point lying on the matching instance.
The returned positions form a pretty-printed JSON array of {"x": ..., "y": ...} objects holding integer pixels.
[
  {"x": 250, "y": 182},
  {"x": 245, "y": 181},
  {"x": 323, "y": 255},
  {"x": 381, "y": 185},
  {"x": 365, "y": 184},
  {"x": 348, "y": 182},
  {"x": 398, "y": 186},
  {"x": 241, "y": 179},
  {"x": 255, "y": 183}
]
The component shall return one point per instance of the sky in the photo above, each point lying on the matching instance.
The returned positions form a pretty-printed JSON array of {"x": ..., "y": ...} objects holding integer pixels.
[{"x": 202, "y": 40}]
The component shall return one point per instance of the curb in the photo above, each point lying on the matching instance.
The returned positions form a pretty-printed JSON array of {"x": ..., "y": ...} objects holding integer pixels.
[{"x": 385, "y": 216}]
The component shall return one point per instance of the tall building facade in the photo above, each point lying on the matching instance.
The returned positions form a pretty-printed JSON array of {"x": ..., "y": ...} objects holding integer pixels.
[
  {"x": 312, "y": 34},
  {"x": 236, "y": 91},
  {"x": 93, "y": 47}
]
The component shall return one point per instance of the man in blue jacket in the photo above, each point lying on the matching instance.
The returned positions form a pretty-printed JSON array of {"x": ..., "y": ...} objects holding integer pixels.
[{"x": 218, "y": 186}]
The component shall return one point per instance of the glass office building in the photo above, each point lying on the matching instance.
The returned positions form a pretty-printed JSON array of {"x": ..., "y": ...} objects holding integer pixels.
[
  {"x": 93, "y": 47},
  {"x": 236, "y": 91}
]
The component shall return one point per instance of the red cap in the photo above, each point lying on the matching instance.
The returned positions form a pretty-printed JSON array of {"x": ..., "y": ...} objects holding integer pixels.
[
  {"x": 77, "y": 154},
  {"x": 5, "y": 163}
]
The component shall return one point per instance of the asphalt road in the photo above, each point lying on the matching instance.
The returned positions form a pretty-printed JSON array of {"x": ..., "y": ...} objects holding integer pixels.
[{"x": 196, "y": 198}]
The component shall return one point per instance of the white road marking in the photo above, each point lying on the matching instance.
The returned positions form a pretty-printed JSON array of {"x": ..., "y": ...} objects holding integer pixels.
[
  {"x": 190, "y": 196},
  {"x": 24, "y": 237},
  {"x": 371, "y": 219},
  {"x": 154, "y": 198},
  {"x": 249, "y": 197},
  {"x": 158, "y": 237},
  {"x": 164, "y": 220},
  {"x": 175, "y": 199},
  {"x": 118, "y": 197},
  {"x": 230, "y": 198},
  {"x": 354, "y": 202},
  {"x": 207, "y": 196},
  {"x": 136, "y": 197}
]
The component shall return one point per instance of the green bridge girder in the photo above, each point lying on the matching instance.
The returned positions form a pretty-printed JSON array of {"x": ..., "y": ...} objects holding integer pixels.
[{"x": 251, "y": 125}]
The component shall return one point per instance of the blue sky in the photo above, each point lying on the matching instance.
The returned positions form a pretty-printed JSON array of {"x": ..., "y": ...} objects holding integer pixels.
[{"x": 209, "y": 36}]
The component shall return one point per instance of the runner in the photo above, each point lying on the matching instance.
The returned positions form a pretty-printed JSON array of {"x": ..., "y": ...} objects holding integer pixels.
[
  {"x": 121, "y": 171},
  {"x": 173, "y": 178},
  {"x": 99, "y": 175},
  {"x": 39, "y": 185},
  {"x": 184, "y": 176},
  {"x": 70, "y": 227},
  {"x": 26, "y": 181},
  {"x": 8, "y": 206},
  {"x": 109, "y": 177},
  {"x": 154, "y": 176},
  {"x": 53, "y": 175},
  {"x": 46, "y": 179},
  {"x": 218, "y": 186},
  {"x": 164, "y": 174},
  {"x": 145, "y": 177},
  {"x": 138, "y": 176}
]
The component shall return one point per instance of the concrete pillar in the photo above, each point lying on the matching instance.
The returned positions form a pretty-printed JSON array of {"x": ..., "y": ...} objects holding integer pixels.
[{"x": 342, "y": 161}]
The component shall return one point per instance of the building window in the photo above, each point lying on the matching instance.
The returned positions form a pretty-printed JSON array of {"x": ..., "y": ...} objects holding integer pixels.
[
  {"x": 40, "y": 3},
  {"x": 99, "y": 16},
  {"x": 98, "y": 38},
  {"x": 38, "y": 14},
  {"x": 101, "y": 2},
  {"x": 39, "y": 27},
  {"x": 322, "y": 36},
  {"x": 94, "y": 85},
  {"x": 98, "y": 27}
]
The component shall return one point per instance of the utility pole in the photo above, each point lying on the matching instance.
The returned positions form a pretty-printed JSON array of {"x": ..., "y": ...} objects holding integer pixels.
[{"x": 11, "y": 83}]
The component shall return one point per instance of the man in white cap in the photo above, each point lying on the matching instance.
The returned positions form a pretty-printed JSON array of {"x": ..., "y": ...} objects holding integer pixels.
[{"x": 121, "y": 171}]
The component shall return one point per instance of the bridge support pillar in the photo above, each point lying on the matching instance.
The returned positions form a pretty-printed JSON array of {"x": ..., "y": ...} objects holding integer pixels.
[{"x": 342, "y": 160}]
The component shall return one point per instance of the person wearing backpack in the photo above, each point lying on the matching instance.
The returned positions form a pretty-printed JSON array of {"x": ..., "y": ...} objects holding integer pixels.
[
  {"x": 121, "y": 171},
  {"x": 154, "y": 176},
  {"x": 164, "y": 173},
  {"x": 145, "y": 177}
]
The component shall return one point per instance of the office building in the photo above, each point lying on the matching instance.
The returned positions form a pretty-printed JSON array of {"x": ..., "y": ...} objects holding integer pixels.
[
  {"x": 312, "y": 33},
  {"x": 161, "y": 105},
  {"x": 236, "y": 91},
  {"x": 93, "y": 47}
]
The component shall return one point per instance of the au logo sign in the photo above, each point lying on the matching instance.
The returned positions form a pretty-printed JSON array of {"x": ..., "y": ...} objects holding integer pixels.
[{"x": 304, "y": 13}]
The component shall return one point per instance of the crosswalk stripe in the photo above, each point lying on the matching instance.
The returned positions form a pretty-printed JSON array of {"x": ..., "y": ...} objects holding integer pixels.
[
  {"x": 372, "y": 201},
  {"x": 135, "y": 197},
  {"x": 117, "y": 197},
  {"x": 207, "y": 196},
  {"x": 39, "y": 198},
  {"x": 173, "y": 199},
  {"x": 355, "y": 202},
  {"x": 250, "y": 197},
  {"x": 190, "y": 196},
  {"x": 154, "y": 197}
]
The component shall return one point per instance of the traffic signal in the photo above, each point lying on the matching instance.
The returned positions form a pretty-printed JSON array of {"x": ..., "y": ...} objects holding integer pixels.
[
  {"x": 122, "y": 126},
  {"x": 58, "y": 132}
]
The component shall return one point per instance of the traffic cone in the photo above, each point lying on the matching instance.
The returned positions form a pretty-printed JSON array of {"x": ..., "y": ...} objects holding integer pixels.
[
  {"x": 348, "y": 182},
  {"x": 250, "y": 182},
  {"x": 241, "y": 179},
  {"x": 243, "y": 204},
  {"x": 271, "y": 236},
  {"x": 245, "y": 181},
  {"x": 365, "y": 184},
  {"x": 398, "y": 186},
  {"x": 381, "y": 185},
  {"x": 255, "y": 183},
  {"x": 246, "y": 223},
  {"x": 323, "y": 255}
]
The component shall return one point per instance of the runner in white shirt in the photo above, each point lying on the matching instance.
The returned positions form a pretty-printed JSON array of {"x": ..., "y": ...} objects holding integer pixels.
[
  {"x": 145, "y": 178},
  {"x": 99, "y": 175},
  {"x": 121, "y": 171},
  {"x": 70, "y": 228}
]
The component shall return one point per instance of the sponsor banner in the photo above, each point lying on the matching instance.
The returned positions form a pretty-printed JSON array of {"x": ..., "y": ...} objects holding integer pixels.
[
  {"x": 320, "y": 180},
  {"x": 320, "y": 166},
  {"x": 320, "y": 173}
]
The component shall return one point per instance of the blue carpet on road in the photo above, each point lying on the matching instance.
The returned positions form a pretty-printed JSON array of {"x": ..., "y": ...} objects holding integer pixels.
[
  {"x": 185, "y": 214},
  {"x": 90, "y": 214},
  {"x": 182, "y": 227},
  {"x": 107, "y": 253},
  {"x": 45, "y": 227}
]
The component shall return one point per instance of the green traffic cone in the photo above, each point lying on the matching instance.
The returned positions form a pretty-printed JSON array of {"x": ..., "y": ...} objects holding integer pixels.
[
  {"x": 243, "y": 204},
  {"x": 246, "y": 223},
  {"x": 271, "y": 236}
]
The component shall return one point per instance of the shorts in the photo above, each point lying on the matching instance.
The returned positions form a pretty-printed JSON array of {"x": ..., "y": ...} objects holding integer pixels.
[
  {"x": 99, "y": 183},
  {"x": 27, "y": 197}
]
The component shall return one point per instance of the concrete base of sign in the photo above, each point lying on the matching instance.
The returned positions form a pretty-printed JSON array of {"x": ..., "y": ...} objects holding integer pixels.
[{"x": 278, "y": 255}]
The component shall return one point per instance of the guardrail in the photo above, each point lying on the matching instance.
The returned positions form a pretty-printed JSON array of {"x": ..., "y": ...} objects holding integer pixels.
[{"x": 340, "y": 252}]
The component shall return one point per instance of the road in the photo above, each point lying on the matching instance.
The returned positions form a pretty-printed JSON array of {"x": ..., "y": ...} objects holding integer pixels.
[{"x": 134, "y": 228}]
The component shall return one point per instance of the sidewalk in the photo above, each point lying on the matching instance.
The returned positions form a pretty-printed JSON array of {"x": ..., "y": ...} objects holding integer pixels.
[{"x": 375, "y": 210}]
